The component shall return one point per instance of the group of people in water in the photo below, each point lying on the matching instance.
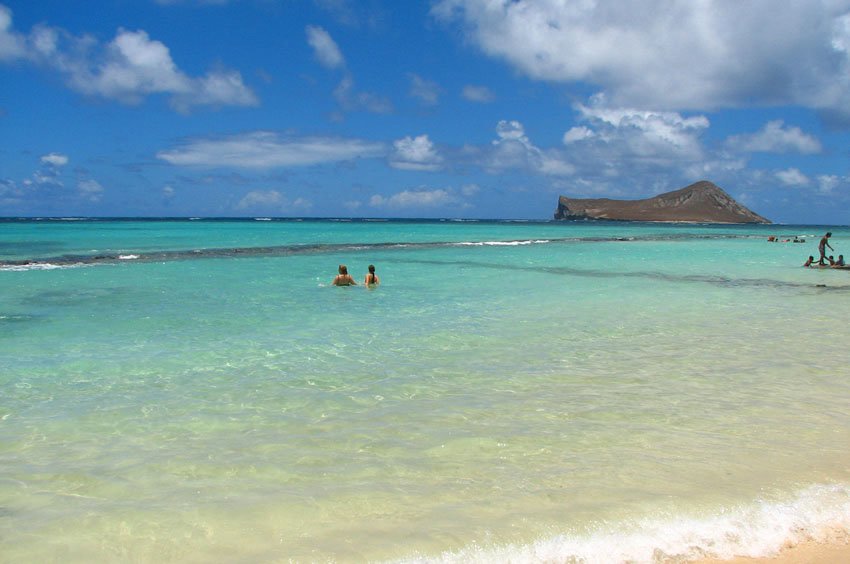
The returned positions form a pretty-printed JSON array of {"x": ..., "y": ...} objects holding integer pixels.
[
  {"x": 824, "y": 243},
  {"x": 345, "y": 279}
]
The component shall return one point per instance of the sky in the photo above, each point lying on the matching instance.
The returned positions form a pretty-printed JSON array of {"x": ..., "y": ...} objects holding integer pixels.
[{"x": 447, "y": 108}]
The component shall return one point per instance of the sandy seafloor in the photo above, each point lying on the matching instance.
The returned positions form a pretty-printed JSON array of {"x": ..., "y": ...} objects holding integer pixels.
[{"x": 195, "y": 391}]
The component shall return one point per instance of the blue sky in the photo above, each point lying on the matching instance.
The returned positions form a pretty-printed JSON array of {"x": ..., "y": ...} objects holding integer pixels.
[{"x": 450, "y": 108}]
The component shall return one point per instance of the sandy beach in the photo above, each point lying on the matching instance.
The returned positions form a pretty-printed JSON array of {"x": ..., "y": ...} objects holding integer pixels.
[{"x": 837, "y": 552}]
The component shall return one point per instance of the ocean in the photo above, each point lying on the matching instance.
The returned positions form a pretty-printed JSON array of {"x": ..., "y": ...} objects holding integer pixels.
[{"x": 197, "y": 391}]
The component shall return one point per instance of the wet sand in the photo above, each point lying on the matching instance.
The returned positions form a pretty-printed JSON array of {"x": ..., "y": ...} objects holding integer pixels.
[{"x": 837, "y": 552}]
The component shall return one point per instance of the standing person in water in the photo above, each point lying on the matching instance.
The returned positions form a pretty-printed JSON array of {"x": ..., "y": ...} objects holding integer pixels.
[
  {"x": 824, "y": 243},
  {"x": 372, "y": 278},
  {"x": 343, "y": 278}
]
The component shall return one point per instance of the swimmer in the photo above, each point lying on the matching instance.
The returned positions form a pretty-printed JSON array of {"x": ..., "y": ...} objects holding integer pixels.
[
  {"x": 839, "y": 262},
  {"x": 831, "y": 260},
  {"x": 343, "y": 278},
  {"x": 808, "y": 263},
  {"x": 372, "y": 278}
]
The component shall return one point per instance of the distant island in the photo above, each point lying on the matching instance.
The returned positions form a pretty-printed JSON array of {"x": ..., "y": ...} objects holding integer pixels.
[{"x": 701, "y": 202}]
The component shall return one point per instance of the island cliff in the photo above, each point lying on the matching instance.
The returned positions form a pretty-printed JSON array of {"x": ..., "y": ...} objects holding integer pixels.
[{"x": 701, "y": 202}]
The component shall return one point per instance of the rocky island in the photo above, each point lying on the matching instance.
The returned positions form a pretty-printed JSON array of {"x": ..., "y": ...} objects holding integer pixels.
[{"x": 701, "y": 202}]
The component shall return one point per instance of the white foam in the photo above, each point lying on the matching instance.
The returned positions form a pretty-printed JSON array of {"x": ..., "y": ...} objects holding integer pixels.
[
  {"x": 262, "y": 219},
  {"x": 38, "y": 266},
  {"x": 818, "y": 513},
  {"x": 502, "y": 243},
  {"x": 128, "y": 257}
]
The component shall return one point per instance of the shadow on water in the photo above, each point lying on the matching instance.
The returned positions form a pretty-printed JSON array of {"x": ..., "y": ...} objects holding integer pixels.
[
  {"x": 72, "y": 297},
  {"x": 722, "y": 281}
]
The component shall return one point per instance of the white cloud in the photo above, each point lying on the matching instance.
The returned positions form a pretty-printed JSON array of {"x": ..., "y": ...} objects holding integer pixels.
[
  {"x": 414, "y": 199},
  {"x": 827, "y": 183},
  {"x": 578, "y": 133},
  {"x": 271, "y": 201},
  {"x": 470, "y": 190},
  {"x": 268, "y": 150},
  {"x": 672, "y": 54},
  {"x": 352, "y": 100},
  {"x": 415, "y": 153},
  {"x": 792, "y": 177},
  {"x": 55, "y": 159},
  {"x": 513, "y": 149},
  {"x": 90, "y": 189},
  {"x": 324, "y": 47},
  {"x": 427, "y": 91},
  {"x": 260, "y": 198},
  {"x": 168, "y": 192},
  {"x": 12, "y": 45},
  {"x": 134, "y": 66},
  {"x": 480, "y": 94},
  {"x": 217, "y": 88},
  {"x": 89, "y": 186},
  {"x": 775, "y": 137},
  {"x": 647, "y": 132},
  {"x": 128, "y": 69},
  {"x": 44, "y": 177}
]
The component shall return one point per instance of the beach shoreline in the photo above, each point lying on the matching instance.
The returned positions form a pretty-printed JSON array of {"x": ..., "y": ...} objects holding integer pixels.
[{"x": 832, "y": 551}]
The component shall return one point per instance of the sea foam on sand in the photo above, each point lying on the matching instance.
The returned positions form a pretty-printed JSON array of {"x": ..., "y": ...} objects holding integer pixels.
[{"x": 763, "y": 529}]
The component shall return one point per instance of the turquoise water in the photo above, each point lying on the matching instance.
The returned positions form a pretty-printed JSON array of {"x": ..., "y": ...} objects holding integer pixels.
[{"x": 197, "y": 391}]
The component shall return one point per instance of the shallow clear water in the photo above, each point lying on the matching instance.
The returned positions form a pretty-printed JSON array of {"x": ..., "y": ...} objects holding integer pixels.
[{"x": 595, "y": 391}]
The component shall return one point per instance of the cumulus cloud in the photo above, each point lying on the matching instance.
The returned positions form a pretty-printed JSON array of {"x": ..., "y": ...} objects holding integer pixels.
[
  {"x": 792, "y": 177},
  {"x": 268, "y": 150},
  {"x": 129, "y": 68},
  {"x": 324, "y": 47},
  {"x": 775, "y": 137},
  {"x": 672, "y": 54},
  {"x": 55, "y": 159},
  {"x": 426, "y": 91},
  {"x": 480, "y": 94},
  {"x": 514, "y": 150},
  {"x": 575, "y": 134},
  {"x": 647, "y": 133},
  {"x": 414, "y": 199},
  {"x": 415, "y": 153}
]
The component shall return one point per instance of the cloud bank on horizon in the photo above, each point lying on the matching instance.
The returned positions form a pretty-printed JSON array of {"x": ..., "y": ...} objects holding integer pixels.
[{"x": 472, "y": 108}]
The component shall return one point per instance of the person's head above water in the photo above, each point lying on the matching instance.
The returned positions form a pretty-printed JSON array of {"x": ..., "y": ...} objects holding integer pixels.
[
  {"x": 343, "y": 269},
  {"x": 371, "y": 269}
]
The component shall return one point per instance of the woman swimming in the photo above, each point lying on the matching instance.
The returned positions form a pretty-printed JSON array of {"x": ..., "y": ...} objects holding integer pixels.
[
  {"x": 343, "y": 278},
  {"x": 372, "y": 278}
]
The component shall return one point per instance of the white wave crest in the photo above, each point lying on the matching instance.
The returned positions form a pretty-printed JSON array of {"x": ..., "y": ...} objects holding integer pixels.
[
  {"x": 38, "y": 266},
  {"x": 502, "y": 243},
  {"x": 128, "y": 257},
  {"x": 820, "y": 513}
]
